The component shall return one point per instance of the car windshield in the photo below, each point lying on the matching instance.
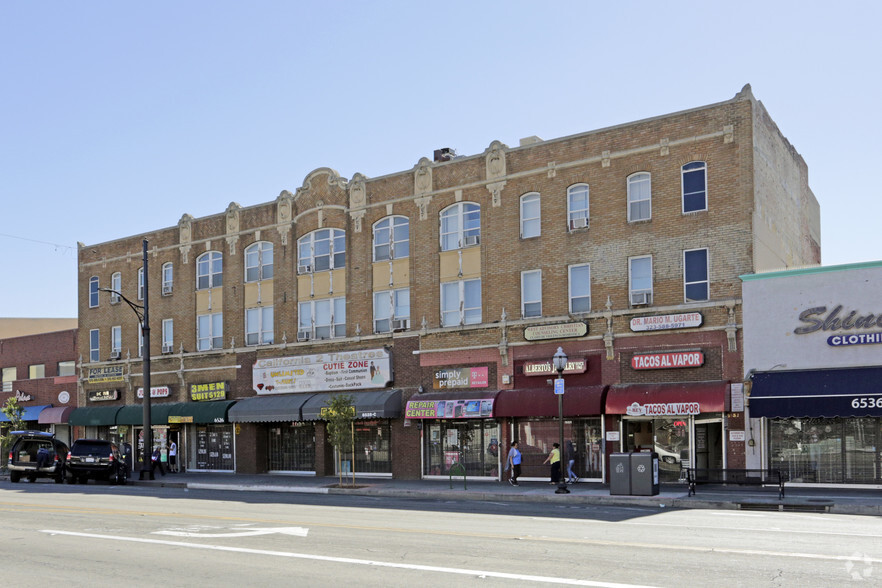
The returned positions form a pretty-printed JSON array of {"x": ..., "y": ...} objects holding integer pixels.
[{"x": 86, "y": 448}]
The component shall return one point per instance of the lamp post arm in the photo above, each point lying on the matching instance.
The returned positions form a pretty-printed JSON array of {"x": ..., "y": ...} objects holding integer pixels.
[{"x": 137, "y": 308}]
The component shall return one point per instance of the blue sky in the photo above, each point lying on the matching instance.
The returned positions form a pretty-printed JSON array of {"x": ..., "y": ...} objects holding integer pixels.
[{"x": 118, "y": 118}]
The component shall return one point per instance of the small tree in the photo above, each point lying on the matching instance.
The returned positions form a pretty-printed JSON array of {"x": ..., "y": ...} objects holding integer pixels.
[
  {"x": 12, "y": 409},
  {"x": 339, "y": 416}
]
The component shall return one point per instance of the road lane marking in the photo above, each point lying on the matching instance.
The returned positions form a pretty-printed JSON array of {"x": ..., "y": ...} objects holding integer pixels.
[
  {"x": 354, "y": 561},
  {"x": 297, "y": 531}
]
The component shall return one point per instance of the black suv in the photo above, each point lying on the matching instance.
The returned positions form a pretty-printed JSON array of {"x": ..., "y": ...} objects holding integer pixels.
[
  {"x": 36, "y": 454},
  {"x": 96, "y": 459}
]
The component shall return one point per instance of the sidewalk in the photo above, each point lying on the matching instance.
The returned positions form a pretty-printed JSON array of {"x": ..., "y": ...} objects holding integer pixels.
[{"x": 860, "y": 501}]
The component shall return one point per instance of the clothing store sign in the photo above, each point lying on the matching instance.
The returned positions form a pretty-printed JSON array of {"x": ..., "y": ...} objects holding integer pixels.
[
  {"x": 667, "y": 321},
  {"x": 351, "y": 370},
  {"x": 469, "y": 377},
  {"x": 209, "y": 391},
  {"x": 661, "y": 361}
]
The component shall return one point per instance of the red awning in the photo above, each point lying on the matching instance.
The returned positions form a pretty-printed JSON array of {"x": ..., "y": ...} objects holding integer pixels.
[
  {"x": 55, "y": 415},
  {"x": 542, "y": 402},
  {"x": 667, "y": 399}
]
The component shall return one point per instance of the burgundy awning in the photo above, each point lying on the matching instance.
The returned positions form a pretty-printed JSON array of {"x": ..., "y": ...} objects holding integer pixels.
[
  {"x": 55, "y": 415},
  {"x": 667, "y": 399},
  {"x": 542, "y": 402}
]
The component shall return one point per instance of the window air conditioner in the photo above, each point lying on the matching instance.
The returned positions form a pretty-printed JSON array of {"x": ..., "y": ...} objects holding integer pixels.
[
  {"x": 579, "y": 223},
  {"x": 166, "y": 347},
  {"x": 304, "y": 269},
  {"x": 303, "y": 335},
  {"x": 640, "y": 298},
  {"x": 471, "y": 240},
  {"x": 115, "y": 355},
  {"x": 400, "y": 324},
  {"x": 166, "y": 289}
]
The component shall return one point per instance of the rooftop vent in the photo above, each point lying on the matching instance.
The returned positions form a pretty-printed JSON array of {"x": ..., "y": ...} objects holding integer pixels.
[
  {"x": 444, "y": 154},
  {"x": 531, "y": 140}
]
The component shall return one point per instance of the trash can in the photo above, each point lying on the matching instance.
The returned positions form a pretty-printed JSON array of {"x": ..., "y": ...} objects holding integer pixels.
[
  {"x": 644, "y": 474},
  {"x": 620, "y": 474}
]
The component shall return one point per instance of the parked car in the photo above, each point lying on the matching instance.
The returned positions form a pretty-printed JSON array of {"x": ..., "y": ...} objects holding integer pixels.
[
  {"x": 97, "y": 459},
  {"x": 37, "y": 454}
]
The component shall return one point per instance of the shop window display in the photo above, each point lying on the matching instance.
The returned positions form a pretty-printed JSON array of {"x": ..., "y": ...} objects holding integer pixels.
[
  {"x": 536, "y": 436},
  {"x": 473, "y": 443}
]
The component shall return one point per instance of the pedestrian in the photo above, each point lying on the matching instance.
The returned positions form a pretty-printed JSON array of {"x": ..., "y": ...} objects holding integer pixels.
[
  {"x": 513, "y": 462},
  {"x": 156, "y": 461},
  {"x": 570, "y": 455},
  {"x": 554, "y": 459},
  {"x": 173, "y": 457}
]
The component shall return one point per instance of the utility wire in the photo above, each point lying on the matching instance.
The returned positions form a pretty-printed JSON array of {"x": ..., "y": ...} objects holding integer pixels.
[{"x": 56, "y": 245}]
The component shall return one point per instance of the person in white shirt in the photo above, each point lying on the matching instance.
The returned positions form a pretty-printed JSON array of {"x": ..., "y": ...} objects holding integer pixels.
[{"x": 173, "y": 457}]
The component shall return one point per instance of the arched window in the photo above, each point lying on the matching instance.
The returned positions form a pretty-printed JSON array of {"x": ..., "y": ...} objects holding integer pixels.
[
  {"x": 168, "y": 278},
  {"x": 324, "y": 249},
  {"x": 694, "y": 176},
  {"x": 93, "y": 292},
  {"x": 116, "y": 286},
  {"x": 259, "y": 261},
  {"x": 209, "y": 270},
  {"x": 392, "y": 238},
  {"x": 639, "y": 197},
  {"x": 460, "y": 226},
  {"x": 577, "y": 206},
  {"x": 531, "y": 215}
]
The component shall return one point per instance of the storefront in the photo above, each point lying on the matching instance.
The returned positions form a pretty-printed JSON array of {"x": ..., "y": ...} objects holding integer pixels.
[
  {"x": 95, "y": 422},
  {"x": 811, "y": 348},
  {"x": 30, "y": 415},
  {"x": 290, "y": 442},
  {"x": 56, "y": 418}
]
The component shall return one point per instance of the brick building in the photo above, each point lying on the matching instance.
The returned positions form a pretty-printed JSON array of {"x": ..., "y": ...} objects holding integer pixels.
[{"x": 437, "y": 296}]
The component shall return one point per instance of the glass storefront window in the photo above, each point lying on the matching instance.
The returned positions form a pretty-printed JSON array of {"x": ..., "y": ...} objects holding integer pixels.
[
  {"x": 536, "y": 436},
  {"x": 212, "y": 448},
  {"x": 474, "y": 443},
  {"x": 291, "y": 448},
  {"x": 669, "y": 437},
  {"x": 372, "y": 448}
]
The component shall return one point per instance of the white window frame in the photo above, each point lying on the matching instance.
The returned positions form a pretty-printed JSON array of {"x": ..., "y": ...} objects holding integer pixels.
[
  {"x": 66, "y": 368},
  {"x": 391, "y": 308},
  {"x": 209, "y": 270},
  {"x": 571, "y": 288},
  {"x": 531, "y": 306},
  {"x": 531, "y": 221},
  {"x": 212, "y": 322},
  {"x": 116, "y": 285},
  {"x": 94, "y": 345},
  {"x": 462, "y": 314},
  {"x": 636, "y": 182},
  {"x": 168, "y": 335},
  {"x": 577, "y": 216},
  {"x": 259, "y": 261},
  {"x": 168, "y": 278},
  {"x": 140, "y": 283},
  {"x": 140, "y": 340},
  {"x": 696, "y": 166},
  {"x": 93, "y": 292},
  {"x": 259, "y": 326},
  {"x": 392, "y": 235},
  {"x": 705, "y": 281},
  {"x": 308, "y": 260},
  {"x": 636, "y": 294},
  {"x": 460, "y": 226},
  {"x": 308, "y": 324},
  {"x": 116, "y": 340}
]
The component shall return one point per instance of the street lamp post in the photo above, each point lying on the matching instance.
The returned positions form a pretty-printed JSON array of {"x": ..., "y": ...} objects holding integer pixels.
[
  {"x": 560, "y": 364},
  {"x": 143, "y": 314}
]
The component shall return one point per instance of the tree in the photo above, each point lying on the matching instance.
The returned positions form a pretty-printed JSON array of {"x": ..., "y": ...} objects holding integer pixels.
[
  {"x": 12, "y": 409},
  {"x": 339, "y": 416}
]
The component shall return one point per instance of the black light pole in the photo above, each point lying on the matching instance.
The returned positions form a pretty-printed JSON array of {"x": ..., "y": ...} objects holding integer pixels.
[
  {"x": 142, "y": 313},
  {"x": 560, "y": 364}
]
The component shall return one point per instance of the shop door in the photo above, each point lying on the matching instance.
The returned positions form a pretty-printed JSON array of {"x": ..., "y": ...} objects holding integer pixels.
[{"x": 709, "y": 445}]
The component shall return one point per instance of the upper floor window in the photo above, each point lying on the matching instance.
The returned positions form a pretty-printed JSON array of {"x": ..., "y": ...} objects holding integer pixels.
[
  {"x": 93, "y": 292},
  {"x": 531, "y": 215},
  {"x": 461, "y": 303},
  {"x": 209, "y": 270},
  {"x": 640, "y": 278},
  {"x": 577, "y": 206},
  {"x": 580, "y": 288},
  {"x": 321, "y": 319},
  {"x": 696, "y": 285},
  {"x": 140, "y": 340},
  {"x": 115, "y": 342},
  {"x": 140, "y": 283},
  {"x": 460, "y": 226},
  {"x": 209, "y": 331},
  {"x": 694, "y": 186},
  {"x": 116, "y": 286},
  {"x": 168, "y": 278},
  {"x": 8, "y": 375},
  {"x": 259, "y": 261},
  {"x": 67, "y": 368},
  {"x": 94, "y": 345},
  {"x": 392, "y": 238},
  {"x": 168, "y": 335},
  {"x": 392, "y": 310},
  {"x": 639, "y": 197},
  {"x": 38, "y": 370},
  {"x": 324, "y": 249},
  {"x": 259, "y": 325},
  {"x": 531, "y": 293}
]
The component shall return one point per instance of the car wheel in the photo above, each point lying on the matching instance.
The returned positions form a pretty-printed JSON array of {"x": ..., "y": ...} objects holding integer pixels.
[
  {"x": 669, "y": 459},
  {"x": 14, "y": 477},
  {"x": 59, "y": 478}
]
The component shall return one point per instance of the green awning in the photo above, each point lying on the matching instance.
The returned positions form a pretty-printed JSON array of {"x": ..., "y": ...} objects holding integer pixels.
[
  {"x": 133, "y": 414},
  {"x": 94, "y": 416},
  {"x": 201, "y": 412}
]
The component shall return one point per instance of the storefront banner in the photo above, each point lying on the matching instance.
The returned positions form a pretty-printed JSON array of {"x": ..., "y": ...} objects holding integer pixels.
[
  {"x": 156, "y": 392},
  {"x": 448, "y": 378},
  {"x": 544, "y": 368},
  {"x": 666, "y": 321},
  {"x": 102, "y": 395},
  {"x": 209, "y": 391},
  {"x": 666, "y": 409},
  {"x": 449, "y": 409},
  {"x": 355, "y": 370},
  {"x": 111, "y": 373},
  {"x": 658, "y": 361}
]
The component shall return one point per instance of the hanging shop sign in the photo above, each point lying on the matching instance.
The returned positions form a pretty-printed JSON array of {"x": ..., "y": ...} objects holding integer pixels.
[
  {"x": 111, "y": 373},
  {"x": 544, "y": 368},
  {"x": 449, "y": 409},
  {"x": 156, "y": 392},
  {"x": 102, "y": 395},
  {"x": 557, "y": 331},
  {"x": 469, "y": 377},
  {"x": 667, "y": 321},
  {"x": 177, "y": 419},
  {"x": 661, "y": 361},
  {"x": 663, "y": 409},
  {"x": 209, "y": 391},
  {"x": 353, "y": 370}
]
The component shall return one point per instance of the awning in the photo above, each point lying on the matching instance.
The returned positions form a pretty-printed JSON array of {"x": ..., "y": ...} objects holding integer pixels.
[
  {"x": 28, "y": 413},
  {"x": 542, "y": 402},
  {"x": 667, "y": 399},
  {"x": 853, "y": 392},
  {"x": 56, "y": 415},
  {"x": 267, "y": 409},
  {"x": 200, "y": 412},
  {"x": 377, "y": 404},
  {"x": 459, "y": 404},
  {"x": 133, "y": 414},
  {"x": 94, "y": 416}
]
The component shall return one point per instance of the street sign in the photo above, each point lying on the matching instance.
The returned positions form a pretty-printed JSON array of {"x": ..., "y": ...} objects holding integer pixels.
[{"x": 559, "y": 386}]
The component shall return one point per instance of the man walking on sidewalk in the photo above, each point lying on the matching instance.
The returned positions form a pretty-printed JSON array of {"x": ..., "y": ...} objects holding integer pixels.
[{"x": 513, "y": 461}]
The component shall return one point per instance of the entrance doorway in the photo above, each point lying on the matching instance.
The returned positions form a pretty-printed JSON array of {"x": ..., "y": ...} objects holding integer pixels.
[
  {"x": 709, "y": 444},
  {"x": 668, "y": 437}
]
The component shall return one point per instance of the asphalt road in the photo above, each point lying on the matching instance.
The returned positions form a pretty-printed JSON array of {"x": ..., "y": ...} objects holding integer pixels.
[{"x": 101, "y": 535}]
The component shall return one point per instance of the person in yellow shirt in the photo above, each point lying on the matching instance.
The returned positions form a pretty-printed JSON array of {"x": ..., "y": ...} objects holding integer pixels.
[{"x": 554, "y": 459}]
